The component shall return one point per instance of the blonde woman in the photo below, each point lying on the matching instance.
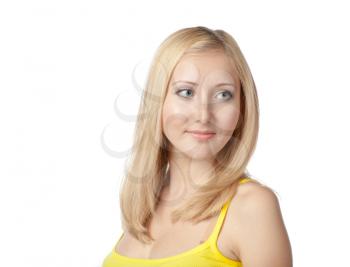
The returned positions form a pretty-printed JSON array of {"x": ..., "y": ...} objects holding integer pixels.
[{"x": 187, "y": 198}]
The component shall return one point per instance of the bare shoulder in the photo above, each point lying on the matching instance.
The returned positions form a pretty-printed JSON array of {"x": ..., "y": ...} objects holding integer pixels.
[
  {"x": 254, "y": 193},
  {"x": 258, "y": 232}
]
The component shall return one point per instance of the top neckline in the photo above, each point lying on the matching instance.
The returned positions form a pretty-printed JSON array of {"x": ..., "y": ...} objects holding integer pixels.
[{"x": 212, "y": 239}]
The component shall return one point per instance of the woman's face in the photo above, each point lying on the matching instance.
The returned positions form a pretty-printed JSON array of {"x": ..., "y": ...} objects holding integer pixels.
[{"x": 203, "y": 95}]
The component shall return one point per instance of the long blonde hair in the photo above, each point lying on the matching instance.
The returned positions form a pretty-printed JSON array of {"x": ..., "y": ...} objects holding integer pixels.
[{"x": 145, "y": 174}]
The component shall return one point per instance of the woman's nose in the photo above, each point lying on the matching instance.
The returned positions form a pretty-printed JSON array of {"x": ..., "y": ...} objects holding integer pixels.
[{"x": 203, "y": 111}]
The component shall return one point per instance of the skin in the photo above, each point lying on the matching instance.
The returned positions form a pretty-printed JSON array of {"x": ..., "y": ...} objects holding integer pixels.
[
  {"x": 256, "y": 230},
  {"x": 205, "y": 105}
]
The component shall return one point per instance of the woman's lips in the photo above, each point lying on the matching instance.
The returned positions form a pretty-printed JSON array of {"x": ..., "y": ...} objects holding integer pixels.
[{"x": 202, "y": 136}]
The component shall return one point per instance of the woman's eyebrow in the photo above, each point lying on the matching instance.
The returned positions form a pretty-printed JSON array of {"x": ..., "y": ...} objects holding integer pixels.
[
  {"x": 219, "y": 84},
  {"x": 185, "y": 82}
]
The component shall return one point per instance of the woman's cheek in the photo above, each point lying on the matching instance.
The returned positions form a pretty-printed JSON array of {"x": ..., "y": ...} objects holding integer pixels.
[
  {"x": 228, "y": 121},
  {"x": 173, "y": 116}
]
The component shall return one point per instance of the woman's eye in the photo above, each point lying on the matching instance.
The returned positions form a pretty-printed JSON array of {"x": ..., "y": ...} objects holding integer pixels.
[
  {"x": 227, "y": 93},
  {"x": 184, "y": 90}
]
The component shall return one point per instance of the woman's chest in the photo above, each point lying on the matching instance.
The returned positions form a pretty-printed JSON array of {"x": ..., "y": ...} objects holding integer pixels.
[{"x": 173, "y": 239}]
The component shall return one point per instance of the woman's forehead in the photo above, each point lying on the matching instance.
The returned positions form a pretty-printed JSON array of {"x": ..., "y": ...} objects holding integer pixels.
[{"x": 208, "y": 66}]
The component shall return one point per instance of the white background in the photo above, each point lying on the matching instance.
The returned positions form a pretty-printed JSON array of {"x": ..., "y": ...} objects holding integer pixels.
[{"x": 64, "y": 63}]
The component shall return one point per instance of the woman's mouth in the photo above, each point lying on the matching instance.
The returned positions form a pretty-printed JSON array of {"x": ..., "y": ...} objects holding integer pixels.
[{"x": 205, "y": 135}]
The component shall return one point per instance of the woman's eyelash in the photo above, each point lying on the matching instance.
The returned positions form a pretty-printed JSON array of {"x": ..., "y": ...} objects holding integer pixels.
[
  {"x": 189, "y": 89},
  {"x": 227, "y": 92},
  {"x": 183, "y": 89}
]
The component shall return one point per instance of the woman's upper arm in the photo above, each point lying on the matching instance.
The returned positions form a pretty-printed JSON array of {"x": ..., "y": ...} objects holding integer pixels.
[{"x": 263, "y": 240}]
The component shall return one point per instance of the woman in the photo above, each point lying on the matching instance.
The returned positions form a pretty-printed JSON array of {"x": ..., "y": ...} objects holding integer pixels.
[{"x": 187, "y": 199}]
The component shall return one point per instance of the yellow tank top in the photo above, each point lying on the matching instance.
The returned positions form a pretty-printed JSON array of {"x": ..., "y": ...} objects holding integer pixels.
[{"x": 206, "y": 254}]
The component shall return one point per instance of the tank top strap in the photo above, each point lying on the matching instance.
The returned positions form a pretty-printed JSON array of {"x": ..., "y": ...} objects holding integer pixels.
[
  {"x": 215, "y": 234},
  {"x": 245, "y": 179}
]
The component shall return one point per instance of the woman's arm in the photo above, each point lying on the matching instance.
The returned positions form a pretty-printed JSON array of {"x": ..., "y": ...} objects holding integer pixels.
[{"x": 262, "y": 239}]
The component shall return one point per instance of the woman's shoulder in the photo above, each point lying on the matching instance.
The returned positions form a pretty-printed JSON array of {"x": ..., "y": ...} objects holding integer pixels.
[
  {"x": 253, "y": 194},
  {"x": 253, "y": 204},
  {"x": 249, "y": 192},
  {"x": 252, "y": 187}
]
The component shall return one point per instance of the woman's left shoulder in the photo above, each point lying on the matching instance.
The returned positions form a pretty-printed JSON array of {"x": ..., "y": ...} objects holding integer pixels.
[
  {"x": 251, "y": 198},
  {"x": 253, "y": 192},
  {"x": 256, "y": 220}
]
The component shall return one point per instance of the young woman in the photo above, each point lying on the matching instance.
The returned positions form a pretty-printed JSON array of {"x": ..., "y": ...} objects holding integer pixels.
[{"x": 187, "y": 198}]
